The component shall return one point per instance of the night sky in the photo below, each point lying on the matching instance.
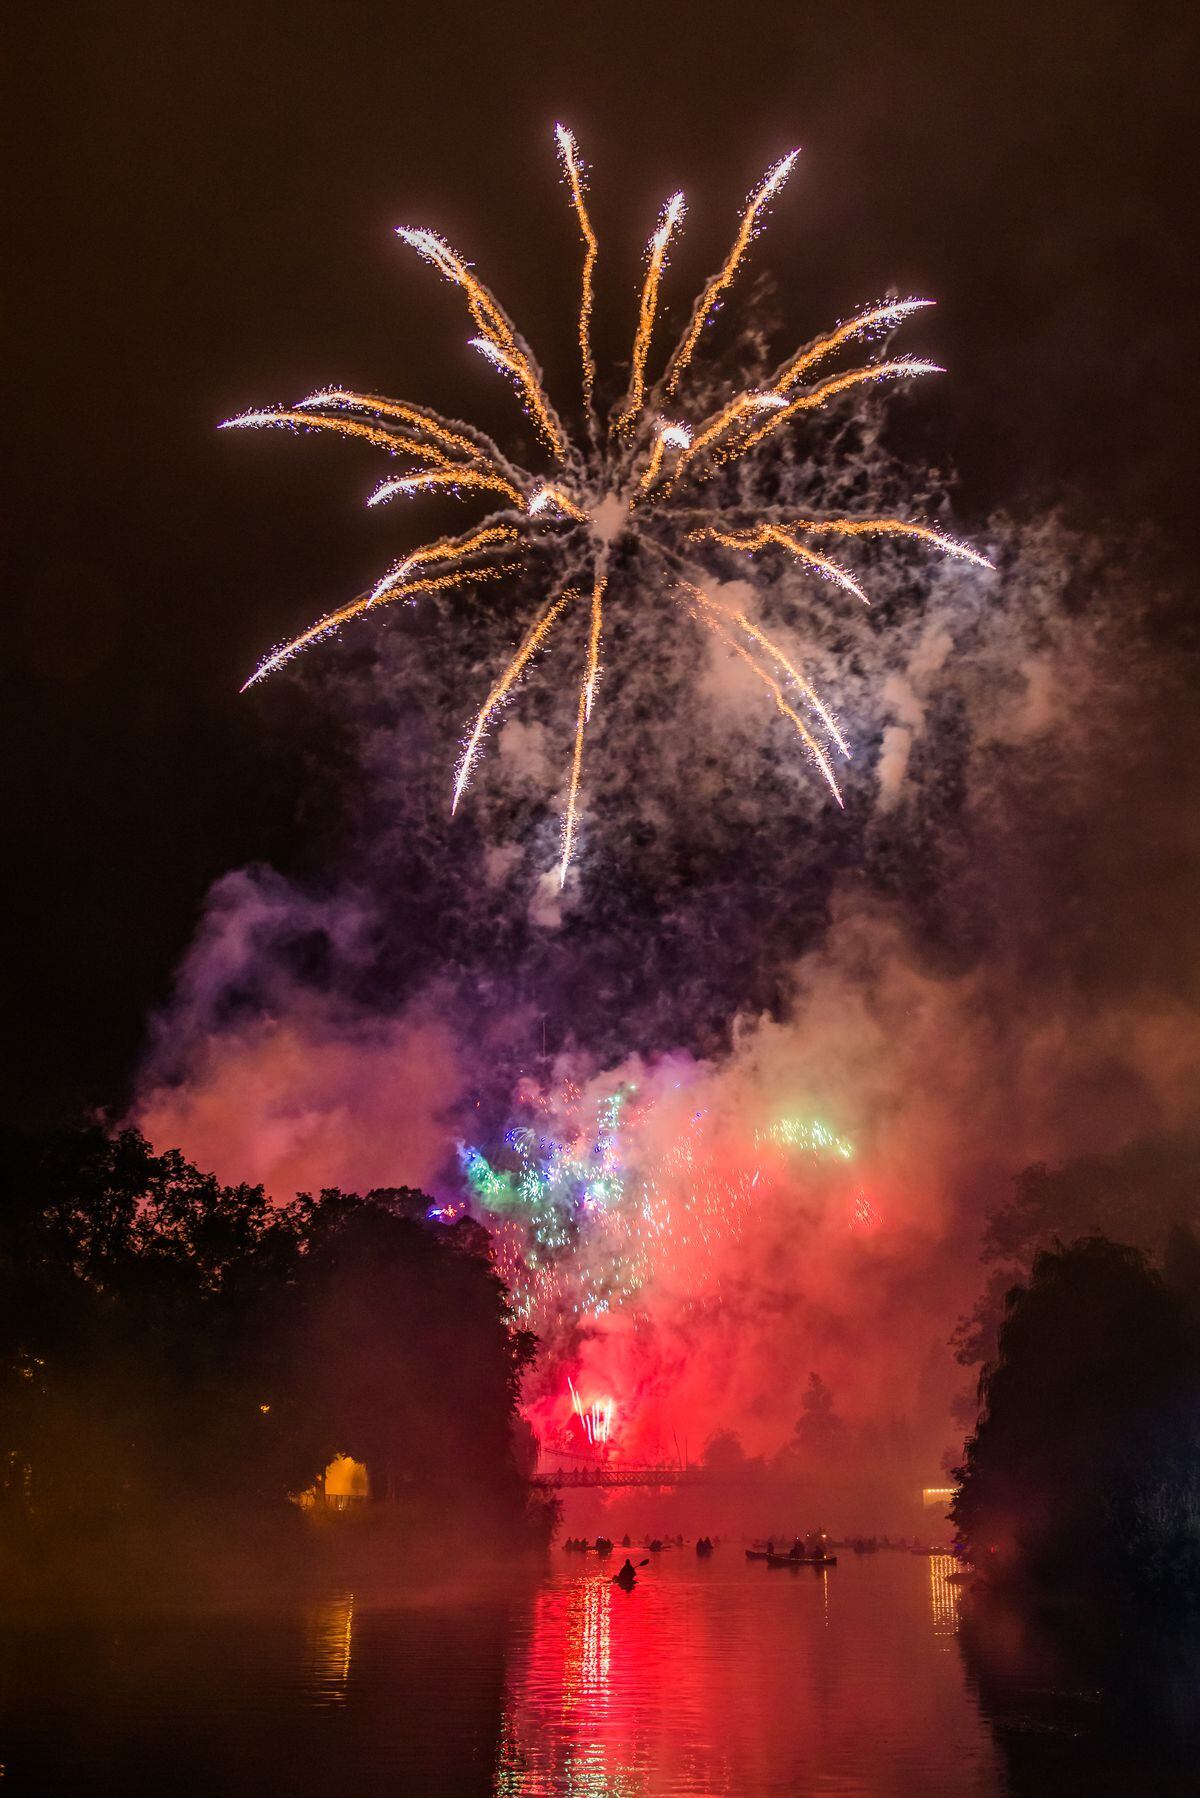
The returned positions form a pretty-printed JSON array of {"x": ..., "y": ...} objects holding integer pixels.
[{"x": 204, "y": 199}]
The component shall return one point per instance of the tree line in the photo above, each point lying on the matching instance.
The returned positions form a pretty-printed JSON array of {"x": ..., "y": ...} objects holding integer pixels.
[{"x": 171, "y": 1346}]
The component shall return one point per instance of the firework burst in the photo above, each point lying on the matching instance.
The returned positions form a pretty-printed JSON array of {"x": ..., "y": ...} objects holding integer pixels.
[{"x": 633, "y": 479}]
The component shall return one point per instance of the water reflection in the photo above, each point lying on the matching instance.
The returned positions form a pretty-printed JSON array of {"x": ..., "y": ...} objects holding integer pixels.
[
  {"x": 1086, "y": 1705},
  {"x": 329, "y": 1644},
  {"x": 715, "y": 1677},
  {"x": 943, "y": 1596},
  {"x": 877, "y": 1678},
  {"x": 589, "y": 1644}
]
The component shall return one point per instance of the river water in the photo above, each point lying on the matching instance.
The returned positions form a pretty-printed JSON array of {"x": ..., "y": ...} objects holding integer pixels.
[{"x": 717, "y": 1676}]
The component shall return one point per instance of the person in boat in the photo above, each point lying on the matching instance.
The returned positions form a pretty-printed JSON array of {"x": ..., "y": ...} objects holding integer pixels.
[
  {"x": 816, "y": 1547},
  {"x": 627, "y": 1576},
  {"x": 625, "y": 1542},
  {"x": 797, "y": 1549}
]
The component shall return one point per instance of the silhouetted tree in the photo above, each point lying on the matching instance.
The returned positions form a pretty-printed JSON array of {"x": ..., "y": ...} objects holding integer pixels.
[
  {"x": 1142, "y": 1194},
  {"x": 725, "y": 1453},
  {"x": 168, "y": 1342},
  {"x": 1084, "y": 1468},
  {"x": 819, "y": 1429}
]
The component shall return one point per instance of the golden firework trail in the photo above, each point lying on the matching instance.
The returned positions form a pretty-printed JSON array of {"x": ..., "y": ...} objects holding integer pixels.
[
  {"x": 298, "y": 418},
  {"x": 763, "y": 534},
  {"x": 466, "y": 441},
  {"x": 709, "y": 613},
  {"x": 573, "y": 169},
  {"x": 593, "y": 663},
  {"x": 631, "y": 484},
  {"x": 586, "y": 695},
  {"x": 456, "y": 480},
  {"x": 666, "y": 436},
  {"x": 770, "y": 184},
  {"x": 454, "y": 549},
  {"x": 777, "y": 655},
  {"x": 889, "y": 527},
  {"x": 864, "y": 324},
  {"x": 529, "y": 648},
  {"x": 656, "y": 260},
  {"x": 366, "y": 602}
]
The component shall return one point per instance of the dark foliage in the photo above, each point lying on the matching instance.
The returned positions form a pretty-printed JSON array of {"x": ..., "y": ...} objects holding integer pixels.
[
  {"x": 1083, "y": 1474},
  {"x": 170, "y": 1346},
  {"x": 1146, "y": 1193}
]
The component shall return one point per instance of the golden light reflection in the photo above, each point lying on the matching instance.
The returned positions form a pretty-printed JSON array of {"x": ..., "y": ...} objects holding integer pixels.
[
  {"x": 943, "y": 1597},
  {"x": 329, "y": 1643}
]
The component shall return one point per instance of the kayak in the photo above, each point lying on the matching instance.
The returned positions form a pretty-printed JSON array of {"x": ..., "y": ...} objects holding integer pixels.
[{"x": 757, "y": 1554}]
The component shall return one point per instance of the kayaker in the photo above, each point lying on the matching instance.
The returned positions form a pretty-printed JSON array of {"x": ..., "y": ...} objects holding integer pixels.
[{"x": 627, "y": 1577}]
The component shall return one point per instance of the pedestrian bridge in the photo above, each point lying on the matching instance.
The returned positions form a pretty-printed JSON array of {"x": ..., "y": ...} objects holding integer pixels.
[{"x": 613, "y": 1476}]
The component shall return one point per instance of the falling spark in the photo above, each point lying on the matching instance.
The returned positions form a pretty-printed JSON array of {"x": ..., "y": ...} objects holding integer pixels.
[
  {"x": 809, "y": 1134},
  {"x": 629, "y": 483}
]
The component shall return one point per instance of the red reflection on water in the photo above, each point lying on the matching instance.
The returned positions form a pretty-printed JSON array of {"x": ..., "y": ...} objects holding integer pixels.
[{"x": 715, "y": 1677}]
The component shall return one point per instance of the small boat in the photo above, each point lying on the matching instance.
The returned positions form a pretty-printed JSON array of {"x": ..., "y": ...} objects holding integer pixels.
[
  {"x": 757, "y": 1554},
  {"x": 801, "y": 1560}
]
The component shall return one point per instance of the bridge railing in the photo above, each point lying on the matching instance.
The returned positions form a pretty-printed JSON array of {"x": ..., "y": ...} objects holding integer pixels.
[{"x": 574, "y": 1477}]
